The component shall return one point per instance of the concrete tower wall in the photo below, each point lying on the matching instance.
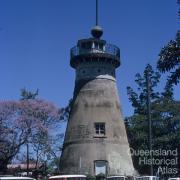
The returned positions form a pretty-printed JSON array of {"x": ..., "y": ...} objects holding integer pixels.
[
  {"x": 89, "y": 70},
  {"x": 95, "y": 101}
]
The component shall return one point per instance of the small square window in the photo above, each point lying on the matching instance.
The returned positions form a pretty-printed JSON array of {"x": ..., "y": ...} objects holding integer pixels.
[{"x": 100, "y": 128}]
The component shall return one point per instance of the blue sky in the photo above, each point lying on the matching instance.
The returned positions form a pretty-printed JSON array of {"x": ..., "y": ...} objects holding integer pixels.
[{"x": 36, "y": 37}]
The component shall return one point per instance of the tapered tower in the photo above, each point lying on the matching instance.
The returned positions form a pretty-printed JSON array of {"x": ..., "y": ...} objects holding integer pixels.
[{"x": 95, "y": 140}]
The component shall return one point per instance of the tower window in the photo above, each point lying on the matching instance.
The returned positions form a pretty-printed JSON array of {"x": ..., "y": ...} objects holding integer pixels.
[
  {"x": 100, "y": 128},
  {"x": 101, "y": 168}
]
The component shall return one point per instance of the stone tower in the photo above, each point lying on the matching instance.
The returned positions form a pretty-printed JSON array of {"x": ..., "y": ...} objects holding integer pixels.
[{"x": 95, "y": 140}]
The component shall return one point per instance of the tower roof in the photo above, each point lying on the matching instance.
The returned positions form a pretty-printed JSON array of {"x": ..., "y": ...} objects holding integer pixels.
[{"x": 97, "y": 31}]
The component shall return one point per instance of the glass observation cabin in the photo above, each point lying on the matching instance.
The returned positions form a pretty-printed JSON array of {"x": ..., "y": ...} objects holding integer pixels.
[{"x": 92, "y": 50}]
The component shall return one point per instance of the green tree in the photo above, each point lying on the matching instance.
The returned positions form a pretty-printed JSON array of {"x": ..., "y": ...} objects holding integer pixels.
[
  {"x": 139, "y": 99},
  {"x": 169, "y": 60},
  {"x": 165, "y": 118}
]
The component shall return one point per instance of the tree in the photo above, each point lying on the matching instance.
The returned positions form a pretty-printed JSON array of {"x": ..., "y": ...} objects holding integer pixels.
[
  {"x": 170, "y": 60},
  {"x": 138, "y": 100},
  {"x": 137, "y": 125},
  {"x": 25, "y": 94},
  {"x": 46, "y": 144},
  {"x": 165, "y": 118},
  {"x": 22, "y": 121},
  {"x": 165, "y": 132},
  {"x": 12, "y": 133}
]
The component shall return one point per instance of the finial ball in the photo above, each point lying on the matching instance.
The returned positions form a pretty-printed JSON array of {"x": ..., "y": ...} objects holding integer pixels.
[{"x": 97, "y": 31}]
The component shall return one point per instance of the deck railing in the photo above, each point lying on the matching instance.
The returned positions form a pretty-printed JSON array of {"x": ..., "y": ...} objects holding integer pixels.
[{"x": 108, "y": 49}]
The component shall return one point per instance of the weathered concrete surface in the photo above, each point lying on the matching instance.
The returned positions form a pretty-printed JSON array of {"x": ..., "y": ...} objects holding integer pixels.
[{"x": 96, "y": 100}]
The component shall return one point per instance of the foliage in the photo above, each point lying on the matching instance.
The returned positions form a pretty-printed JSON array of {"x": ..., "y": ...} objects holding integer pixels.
[
  {"x": 90, "y": 177},
  {"x": 138, "y": 100},
  {"x": 26, "y": 121},
  {"x": 13, "y": 134},
  {"x": 66, "y": 111},
  {"x": 165, "y": 116},
  {"x": 25, "y": 94},
  {"x": 165, "y": 131},
  {"x": 170, "y": 60}
]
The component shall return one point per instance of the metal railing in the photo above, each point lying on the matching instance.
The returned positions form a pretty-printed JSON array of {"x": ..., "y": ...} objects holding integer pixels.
[{"x": 108, "y": 49}]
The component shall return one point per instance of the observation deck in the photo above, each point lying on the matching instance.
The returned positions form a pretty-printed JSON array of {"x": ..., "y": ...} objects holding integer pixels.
[{"x": 93, "y": 50}]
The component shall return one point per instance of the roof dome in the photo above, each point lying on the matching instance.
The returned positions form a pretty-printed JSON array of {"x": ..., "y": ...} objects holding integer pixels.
[{"x": 97, "y": 31}]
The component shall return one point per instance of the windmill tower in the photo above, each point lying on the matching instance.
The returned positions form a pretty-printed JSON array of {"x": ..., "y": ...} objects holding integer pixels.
[{"x": 95, "y": 141}]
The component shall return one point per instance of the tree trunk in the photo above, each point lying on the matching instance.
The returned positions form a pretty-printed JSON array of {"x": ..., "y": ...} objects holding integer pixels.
[{"x": 3, "y": 166}]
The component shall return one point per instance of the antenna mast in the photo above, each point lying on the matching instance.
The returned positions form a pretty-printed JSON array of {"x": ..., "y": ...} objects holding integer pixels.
[
  {"x": 96, "y": 12},
  {"x": 97, "y": 31}
]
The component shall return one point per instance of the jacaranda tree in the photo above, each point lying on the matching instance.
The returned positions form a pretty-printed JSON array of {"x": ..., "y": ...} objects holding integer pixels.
[{"x": 22, "y": 121}]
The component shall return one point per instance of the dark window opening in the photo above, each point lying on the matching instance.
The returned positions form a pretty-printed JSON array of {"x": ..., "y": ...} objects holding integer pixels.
[{"x": 100, "y": 128}]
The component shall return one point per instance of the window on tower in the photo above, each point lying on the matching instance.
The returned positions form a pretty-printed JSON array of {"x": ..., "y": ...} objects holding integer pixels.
[
  {"x": 100, "y": 128},
  {"x": 101, "y": 168}
]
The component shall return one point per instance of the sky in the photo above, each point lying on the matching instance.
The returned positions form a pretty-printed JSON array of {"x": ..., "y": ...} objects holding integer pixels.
[{"x": 36, "y": 37}]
